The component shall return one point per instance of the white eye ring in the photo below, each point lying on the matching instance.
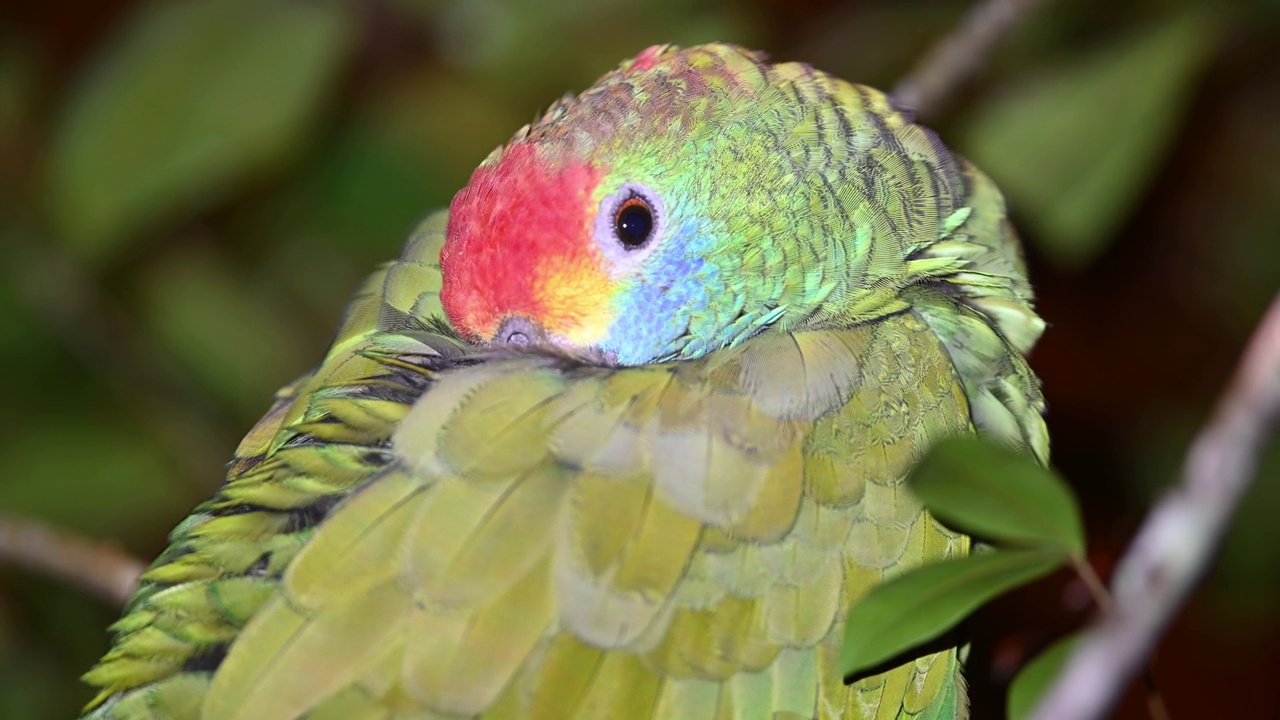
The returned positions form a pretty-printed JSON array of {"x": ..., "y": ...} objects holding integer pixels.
[{"x": 621, "y": 255}]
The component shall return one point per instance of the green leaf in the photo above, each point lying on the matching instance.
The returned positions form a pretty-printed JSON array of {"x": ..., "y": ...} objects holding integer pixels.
[
  {"x": 999, "y": 496},
  {"x": 1035, "y": 676},
  {"x": 924, "y": 603},
  {"x": 190, "y": 100},
  {"x": 1075, "y": 148},
  {"x": 362, "y": 191},
  {"x": 238, "y": 341},
  {"x": 93, "y": 471}
]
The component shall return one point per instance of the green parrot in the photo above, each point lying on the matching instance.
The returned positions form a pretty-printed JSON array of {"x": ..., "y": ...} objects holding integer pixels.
[{"x": 623, "y": 435}]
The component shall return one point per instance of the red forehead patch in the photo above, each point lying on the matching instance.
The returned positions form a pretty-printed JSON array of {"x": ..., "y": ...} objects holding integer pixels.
[
  {"x": 513, "y": 221},
  {"x": 648, "y": 57}
]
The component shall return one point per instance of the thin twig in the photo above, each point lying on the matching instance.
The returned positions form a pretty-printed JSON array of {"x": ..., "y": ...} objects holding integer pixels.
[
  {"x": 1087, "y": 575},
  {"x": 960, "y": 55},
  {"x": 1178, "y": 539},
  {"x": 1155, "y": 700},
  {"x": 101, "y": 568}
]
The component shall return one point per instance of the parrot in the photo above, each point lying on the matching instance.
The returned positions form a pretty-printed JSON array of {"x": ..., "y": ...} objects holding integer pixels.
[{"x": 623, "y": 433}]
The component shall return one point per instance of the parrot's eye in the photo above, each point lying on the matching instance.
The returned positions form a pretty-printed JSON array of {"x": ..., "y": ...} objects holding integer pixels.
[
  {"x": 630, "y": 224},
  {"x": 633, "y": 223}
]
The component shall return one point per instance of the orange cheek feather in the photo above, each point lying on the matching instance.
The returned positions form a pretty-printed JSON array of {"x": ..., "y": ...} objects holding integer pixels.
[
  {"x": 575, "y": 301},
  {"x": 519, "y": 243}
]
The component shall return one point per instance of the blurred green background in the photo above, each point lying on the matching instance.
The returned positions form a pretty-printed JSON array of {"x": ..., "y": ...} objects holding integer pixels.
[{"x": 189, "y": 191}]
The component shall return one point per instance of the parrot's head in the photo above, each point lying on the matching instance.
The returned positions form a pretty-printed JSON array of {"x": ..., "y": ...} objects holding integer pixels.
[{"x": 676, "y": 207}]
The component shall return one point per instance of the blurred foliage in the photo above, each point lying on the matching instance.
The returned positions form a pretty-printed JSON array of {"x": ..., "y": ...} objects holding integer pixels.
[
  {"x": 1073, "y": 147},
  {"x": 181, "y": 106},
  {"x": 189, "y": 191},
  {"x": 1028, "y": 523},
  {"x": 913, "y": 608},
  {"x": 998, "y": 496},
  {"x": 1035, "y": 677}
]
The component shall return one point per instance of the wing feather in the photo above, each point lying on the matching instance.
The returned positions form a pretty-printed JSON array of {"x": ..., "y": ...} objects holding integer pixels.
[{"x": 676, "y": 539}]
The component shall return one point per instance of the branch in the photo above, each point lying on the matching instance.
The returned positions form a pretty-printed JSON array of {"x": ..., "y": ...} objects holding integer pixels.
[
  {"x": 1178, "y": 539},
  {"x": 101, "y": 568},
  {"x": 959, "y": 56}
]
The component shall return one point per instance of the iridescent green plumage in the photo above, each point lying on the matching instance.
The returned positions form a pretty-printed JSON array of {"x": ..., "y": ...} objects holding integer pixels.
[{"x": 427, "y": 528}]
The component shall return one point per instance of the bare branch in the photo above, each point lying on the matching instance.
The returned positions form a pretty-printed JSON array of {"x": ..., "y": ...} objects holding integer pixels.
[
  {"x": 959, "y": 56},
  {"x": 1178, "y": 539},
  {"x": 99, "y": 567}
]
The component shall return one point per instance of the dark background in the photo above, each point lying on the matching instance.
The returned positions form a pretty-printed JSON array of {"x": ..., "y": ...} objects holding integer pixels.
[{"x": 189, "y": 191}]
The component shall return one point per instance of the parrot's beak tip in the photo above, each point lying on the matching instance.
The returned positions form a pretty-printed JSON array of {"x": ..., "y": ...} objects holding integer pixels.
[
  {"x": 520, "y": 334},
  {"x": 517, "y": 330}
]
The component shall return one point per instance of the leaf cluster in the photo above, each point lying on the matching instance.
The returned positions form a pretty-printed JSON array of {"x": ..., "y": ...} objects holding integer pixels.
[{"x": 1028, "y": 523}]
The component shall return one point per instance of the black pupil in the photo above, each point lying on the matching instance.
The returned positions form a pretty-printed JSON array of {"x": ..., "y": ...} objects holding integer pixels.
[{"x": 634, "y": 224}]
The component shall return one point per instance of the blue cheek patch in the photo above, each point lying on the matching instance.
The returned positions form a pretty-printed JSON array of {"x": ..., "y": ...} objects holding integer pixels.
[{"x": 664, "y": 309}]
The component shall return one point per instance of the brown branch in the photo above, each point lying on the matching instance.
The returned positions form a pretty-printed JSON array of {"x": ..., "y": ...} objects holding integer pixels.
[
  {"x": 1178, "y": 539},
  {"x": 960, "y": 55},
  {"x": 101, "y": 568}
]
